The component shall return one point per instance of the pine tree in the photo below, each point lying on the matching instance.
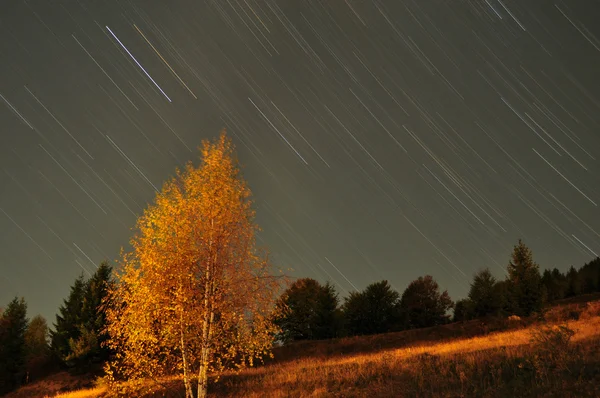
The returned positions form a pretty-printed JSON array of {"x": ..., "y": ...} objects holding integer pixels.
[
  {"x": 504, "y": 292},
  {"x": 88, "y": 347},
  {"x": 573, "y": 283},
  {"x": 524, "y": 282},
  {"x": 194, "y": 295},
  {"x": 13, "y": 325},
  {"x": 589, "y": 276},
  {"x": 77, "y": 339},
  {"x": 70, "y": 316},
  {"x": 37, "y": 347},
  {"x": 555, "y": 284}
]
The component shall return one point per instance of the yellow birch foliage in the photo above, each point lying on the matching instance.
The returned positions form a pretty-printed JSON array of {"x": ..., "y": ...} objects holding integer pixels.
[{"x": 194, "y": 296}]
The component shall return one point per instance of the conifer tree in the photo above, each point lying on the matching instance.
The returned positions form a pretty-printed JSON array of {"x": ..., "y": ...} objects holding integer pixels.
[
  {"x": 77, "y": 339},
  {"x": 89, "y": 347},
  {"x": 525, "y": 285},
  {"x": 37, "y": 347},
  {"x": 13, "y": 325},
  {"x": 555, "y": 284},
  {"x": 589, "y": 276},
  {"x": 68, "y": 320},
  {"x": 573, "y": 283}
]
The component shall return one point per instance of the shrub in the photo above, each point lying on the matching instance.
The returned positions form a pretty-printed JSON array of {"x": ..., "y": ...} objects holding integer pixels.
[{"x": 552, "y": 351}]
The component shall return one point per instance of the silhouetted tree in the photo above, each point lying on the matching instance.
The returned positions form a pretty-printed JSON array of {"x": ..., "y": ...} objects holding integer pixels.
[
  {"x": 355, "y": 310},
  {"x": 374, "y": 310},
  {"x": 503, "y": 289},
  {"x": 78, "y": 332},
  {"x": 589, "y": 276},
  {"x": 596, "y": 263},
  {"x": 13, "y": 325},
  {"x": 485, "y": 298},
  {"x": 462, "y": 310},
  {"x": 310, "y": 311},
  {"x": 328, "y": 322},
  {"x": 68, "y": 320},
  {"x": 555, "y": 284},
  {"x": 573, "y": 283},
  {"x": 526, "y": 293},
  {"x": 424, "y": 304},
  {"x": 88, "y": 347},
  {"x": 37, "y": 347}
]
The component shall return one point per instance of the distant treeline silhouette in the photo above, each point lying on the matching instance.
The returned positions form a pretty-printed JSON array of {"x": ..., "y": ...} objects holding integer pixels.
[{"x": 313, "y": 311}]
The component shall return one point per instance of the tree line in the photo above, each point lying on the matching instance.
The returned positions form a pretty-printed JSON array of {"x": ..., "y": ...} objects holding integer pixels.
[
  {"x": 308, "y": 310},
  {"x": 195, "y": 296},
  {"x": 314, "y": 311},
  {"x": 29, "y": 349}
]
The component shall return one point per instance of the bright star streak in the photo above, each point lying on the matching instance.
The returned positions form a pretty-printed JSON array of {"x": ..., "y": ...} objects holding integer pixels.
[
  {"x": 584, "y": 245},
  {"x": 340, "y": 272},
  {"x": 16, "y": 112},
  {"x": 138, "y": 64},
  {"x": 564, "y": 178}
]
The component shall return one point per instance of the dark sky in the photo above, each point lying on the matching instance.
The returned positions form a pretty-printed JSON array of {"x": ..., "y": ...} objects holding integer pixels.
[{"x": 381, "y": 139}]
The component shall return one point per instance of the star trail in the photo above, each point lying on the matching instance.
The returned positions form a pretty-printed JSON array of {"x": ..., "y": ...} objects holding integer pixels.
[{"x": 381, "y": 139}]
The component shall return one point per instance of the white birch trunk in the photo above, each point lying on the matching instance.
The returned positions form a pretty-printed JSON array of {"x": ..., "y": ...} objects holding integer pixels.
[
  {"x": 209, "y": 315},
  {"x": 186, "y": 379},
  {"x": 205, "y": 354}
]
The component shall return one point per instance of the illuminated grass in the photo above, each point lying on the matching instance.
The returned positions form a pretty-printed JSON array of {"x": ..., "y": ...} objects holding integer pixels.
[
  {"x": 85, "y": 393},
  {"x": 412, "y": 364},
  {"x": 442, "y": 369}
]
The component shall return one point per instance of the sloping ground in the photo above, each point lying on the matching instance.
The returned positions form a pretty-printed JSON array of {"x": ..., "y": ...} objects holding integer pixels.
[
  {"x": 582, "y": 299},
  {"x": 492, "y": 358},
  {"x": 497, "y": 365},
  {"x": 560, "y": 311},
  {"x": 54, "y": 384}
]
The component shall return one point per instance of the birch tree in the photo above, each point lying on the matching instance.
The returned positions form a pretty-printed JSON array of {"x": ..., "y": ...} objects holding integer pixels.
[{"x": 194, "y": 296}]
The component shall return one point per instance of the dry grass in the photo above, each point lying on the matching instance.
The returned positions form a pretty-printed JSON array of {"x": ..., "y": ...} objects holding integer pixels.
[
  {"x": 506, "y": 362},
  {"x": 84, "y": 393},
  {"x": 57, "y": 383},
  {"x": 500, "y": 364}
]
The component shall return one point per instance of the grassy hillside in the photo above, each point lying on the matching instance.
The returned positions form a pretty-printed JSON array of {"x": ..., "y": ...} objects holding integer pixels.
[
  {"x": 491, "y": 358},
  {"x": 54, "y": 384}
]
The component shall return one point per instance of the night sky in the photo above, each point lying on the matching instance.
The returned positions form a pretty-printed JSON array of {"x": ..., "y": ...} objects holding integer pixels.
[{"x": 381, "y": 139}]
